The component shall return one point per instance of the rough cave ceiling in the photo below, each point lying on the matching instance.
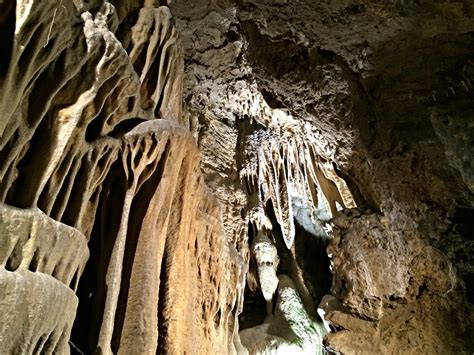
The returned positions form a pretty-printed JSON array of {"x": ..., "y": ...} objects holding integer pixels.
[{"x": 213, "y": 176}]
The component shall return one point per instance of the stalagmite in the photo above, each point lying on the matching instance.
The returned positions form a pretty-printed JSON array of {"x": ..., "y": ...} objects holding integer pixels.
[{"x": 267, "y": 262}]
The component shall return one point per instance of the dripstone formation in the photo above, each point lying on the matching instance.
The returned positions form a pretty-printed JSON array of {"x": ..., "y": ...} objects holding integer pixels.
[
  {"x": 236, "y": 177},
  {"x": 97, "y": 167}
]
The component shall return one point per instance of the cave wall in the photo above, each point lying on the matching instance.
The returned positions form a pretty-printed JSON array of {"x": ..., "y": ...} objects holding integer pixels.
[
  {"x": 101, "y": 189},
  {"x": 305, "y": 165},
  {"x": 383, "y": 89}
]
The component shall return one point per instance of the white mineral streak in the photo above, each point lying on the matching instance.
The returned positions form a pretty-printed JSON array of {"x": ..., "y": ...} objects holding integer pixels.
[
  {"x": 22, "y": 11},
  {"x": 328, "y": 304}
]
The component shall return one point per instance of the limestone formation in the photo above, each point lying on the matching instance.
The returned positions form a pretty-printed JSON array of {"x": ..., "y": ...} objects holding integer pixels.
[
  {"x": 96, "y": 160},
  {"x": 290, "y": 330},
  {"x": 236, "y": 177},
  {"x": 286, "y": 168},
  {"x": 42, "y": 261},
  {"x": 379, "y": 92}
]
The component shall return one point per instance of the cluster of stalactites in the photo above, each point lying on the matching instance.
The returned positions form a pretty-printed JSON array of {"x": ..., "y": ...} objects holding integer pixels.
[{"x": 285, "y": 169}]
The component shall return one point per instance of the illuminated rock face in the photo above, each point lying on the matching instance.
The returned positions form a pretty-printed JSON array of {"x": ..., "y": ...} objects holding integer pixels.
[
  {"x": 299, "y": 105},
  {"x": 97, "y": 166},
  {"x": 42, "y": 261},
  {"x": 335, "y": 180}
]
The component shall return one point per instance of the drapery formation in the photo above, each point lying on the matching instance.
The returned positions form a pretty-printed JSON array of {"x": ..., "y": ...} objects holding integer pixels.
[{"x": 94, "y": 152}]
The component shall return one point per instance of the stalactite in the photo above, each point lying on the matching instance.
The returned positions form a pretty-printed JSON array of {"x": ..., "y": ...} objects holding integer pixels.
[
  {"x": 291, "y": 167},
  {"x": 288, "y": 177}
]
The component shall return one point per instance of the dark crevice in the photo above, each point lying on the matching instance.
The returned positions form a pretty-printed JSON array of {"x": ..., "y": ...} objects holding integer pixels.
[
  {"x": 421, "y": 290},
  {"x": 75, "y": 197},
  {"x": 32, "y": 47},
  {"x": 272, "y": 99},
  {"x": 8, "y": 148},
  {"x": 40, "y": 345},
  {"x": 162, "y": 97},
  {"x": 125, "y": 126},
  {"x": 138, "y": 156},
  {"x": 92, "y": 286},
  {"x": 464, "y": 223},
  {"x": 162, "y": 324},
  {"x": 7, "y": 31},
  {"x": 362, "y": 201},
  {"x": 67, "y": 173},
  {"x": 10, "y": 264},
  {"x": 314, "y": 262},
  {"x": 47, "y": 83},
  {"x": 139, "y": 63},
  {"x": 150, "y": 82},
  {"x": 232, "y": 36},
  {"x": 468, "y": 279},
  {"x": 48, "y": 344},
  {"x": 33, "y": 164},
  {"x": 130, "y": 17},
  {"x": 56, "y": 269},
  {"x": 34, "y": 262},
  {"x": 110, "y": 89},
  {"x": 74, "y": 280},
  {"x": 254, "y": 310}
]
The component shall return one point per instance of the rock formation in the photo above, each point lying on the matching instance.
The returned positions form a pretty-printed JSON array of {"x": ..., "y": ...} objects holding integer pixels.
[
  {"x": 96, "y": 160},
  {"x": 249, "y": 176},
  {"x": 379, "y": 94}
]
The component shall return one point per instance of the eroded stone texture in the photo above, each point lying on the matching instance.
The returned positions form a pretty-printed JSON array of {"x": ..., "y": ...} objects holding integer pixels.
[
  {"x": 385, "y": 89},
  {"x": 401, "y": 289},
  {"x": 302, "y": 110},
  {"x": 175, "y": 256},
  {"x": 94, "y": 149},
  {"x": 42, "y": 261},
  {"x": 38, "y": 313}
]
